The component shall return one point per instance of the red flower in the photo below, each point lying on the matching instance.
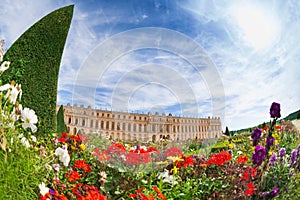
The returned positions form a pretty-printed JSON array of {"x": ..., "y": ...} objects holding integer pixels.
[
  {"x": 250, "y": 190},
  {"x": 265, "y": 128},
  {"x": 137, "y": 158},
  {"x": 152, "y": 149},
  {"x": 115, "y": 149},
  {"x": 188, "y": 161},
  {"x": 159, "y": 194},
  {"x": 81, "y": 164},
  {"x": 242, "y": 159},
  {"x": 87, "y": 192},
  {"x": 100, "y": 155},
  {"x": 173, "y": 151},
  {"x": 73, "y": 176},
  {"x": 277, "y": 127},
  {"x": 63, "y": 138},
  {"x": 77, "y": 137},
  {"x": 219, "y": 158},
  {"x": 140, "y": 195},
  {"x": 245, "y": 176}
]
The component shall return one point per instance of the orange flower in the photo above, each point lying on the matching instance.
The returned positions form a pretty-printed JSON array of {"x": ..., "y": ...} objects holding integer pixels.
[
  {"x": 73, "y": 176},
  {"x": 81, "y": 164},
  {"x": 242, "y": 159},
  {"x": 159, "y": 194}
]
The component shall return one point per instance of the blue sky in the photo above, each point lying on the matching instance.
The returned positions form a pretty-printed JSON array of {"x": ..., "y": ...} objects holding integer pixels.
[{"x": 230, "y": 59}]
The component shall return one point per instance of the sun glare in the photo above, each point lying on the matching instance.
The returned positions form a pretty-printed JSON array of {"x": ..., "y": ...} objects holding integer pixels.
[{"x": 258, "y": 26}]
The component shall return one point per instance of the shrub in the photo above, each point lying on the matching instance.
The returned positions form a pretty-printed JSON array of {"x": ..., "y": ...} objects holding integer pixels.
[{"x": 35, "y": 60}]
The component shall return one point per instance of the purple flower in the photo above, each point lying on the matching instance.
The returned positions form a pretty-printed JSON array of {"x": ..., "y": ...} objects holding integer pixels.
[
  {"x": 51, "y": 192},
  {"x": 264, "y": 194},
  {"x": 256, "y": 134},
  {"x": 275, "y": 110},
  {"x": 259, "y": 155},
  {"x": 270, "y": 141},
  {"x": 273, "y": 159},
  {"x": 274, "y": 192},
  {"x": 282, "y": 152},
  {"x": 293, "y": 155}
]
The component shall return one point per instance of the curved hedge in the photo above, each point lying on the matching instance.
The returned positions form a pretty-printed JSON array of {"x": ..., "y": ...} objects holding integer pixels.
[{"x": 35, "y": 61}]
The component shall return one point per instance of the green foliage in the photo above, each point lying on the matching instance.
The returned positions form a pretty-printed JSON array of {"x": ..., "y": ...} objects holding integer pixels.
[
  {"x": 21, "y": 174},
  {"x": 35, "y": 60},
  {"x": 227, "y": 131},
  {"x": 61, "y": 126}
]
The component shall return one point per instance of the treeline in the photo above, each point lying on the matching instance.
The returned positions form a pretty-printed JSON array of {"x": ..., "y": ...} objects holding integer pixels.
[{"x": 292, "y": 116}]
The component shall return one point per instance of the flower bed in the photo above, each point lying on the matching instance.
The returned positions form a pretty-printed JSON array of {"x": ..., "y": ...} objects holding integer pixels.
[{"x": 264, "y": 165}]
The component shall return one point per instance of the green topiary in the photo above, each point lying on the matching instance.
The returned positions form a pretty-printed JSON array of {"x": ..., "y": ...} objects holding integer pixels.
[
  {"x": 61, "y": 126},
  {"x": 35, "y": 61}
]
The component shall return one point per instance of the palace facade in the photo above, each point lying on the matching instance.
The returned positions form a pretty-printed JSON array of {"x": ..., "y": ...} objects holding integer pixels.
[{"x": 142, "y": 127}]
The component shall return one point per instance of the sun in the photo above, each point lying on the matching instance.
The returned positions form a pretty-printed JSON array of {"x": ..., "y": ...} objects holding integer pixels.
[{"x": 257, "y": 26}]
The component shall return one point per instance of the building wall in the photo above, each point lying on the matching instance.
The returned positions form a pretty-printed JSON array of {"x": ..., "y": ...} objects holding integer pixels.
[{"x": 142, "y": 127}]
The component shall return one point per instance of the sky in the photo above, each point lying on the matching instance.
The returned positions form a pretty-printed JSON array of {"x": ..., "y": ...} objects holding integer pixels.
[{"x": 229, "y": 59}]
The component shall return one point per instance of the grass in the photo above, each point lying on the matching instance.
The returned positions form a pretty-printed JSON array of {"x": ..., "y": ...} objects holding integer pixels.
[{"x": 21, "y": 174}]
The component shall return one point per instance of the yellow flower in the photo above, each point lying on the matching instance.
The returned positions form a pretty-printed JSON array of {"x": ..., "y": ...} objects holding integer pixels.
[
  {"x": 73, "y": 148},
  {"x": 230, "y": 146},
  {"x": 174, "y": 170},
  {"x": 276, "y": 142},
  {"x": 252, "y": 148},
  {"x": 162, "y": 163},
  {"x": 174, "y": 159},
  {"x": 275, "y": 135},
  {"x": 82, "y": 147},
  {"x": 270, "y": 153}
]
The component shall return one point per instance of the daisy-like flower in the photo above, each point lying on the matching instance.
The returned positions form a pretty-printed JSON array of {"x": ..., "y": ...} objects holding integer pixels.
[
  {"x": 63, "y": 155},
  {"x": 29, "y": 118},
  {"x": 4, "y": 66},
  {"x": 43, "y": 189},
  {"x": 4, "y": 87},
  {"x": 14, "y": 90},
  {"x": 33, "y": 138},
  {"x": 25, "y": 142}
]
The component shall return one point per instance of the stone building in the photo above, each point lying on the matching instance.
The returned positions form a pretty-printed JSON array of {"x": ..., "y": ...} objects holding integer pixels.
[{"x": 141, "y": 127}]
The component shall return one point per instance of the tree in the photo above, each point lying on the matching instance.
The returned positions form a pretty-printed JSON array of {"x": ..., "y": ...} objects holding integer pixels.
[
  {"x": 61, "y": 126},
  {"x": 227, "y": 131}
]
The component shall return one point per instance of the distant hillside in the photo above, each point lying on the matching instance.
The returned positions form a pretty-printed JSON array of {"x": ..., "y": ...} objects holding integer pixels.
[{"x": 292, "y": 116}]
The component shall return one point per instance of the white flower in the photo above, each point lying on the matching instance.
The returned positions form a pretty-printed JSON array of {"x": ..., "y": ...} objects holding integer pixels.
[
  {"x": 43, "y": 189},
  {"x": 29, "y": 118},
  {"x": 239, "y": 152},
  {"x": 103, "y": 174},
  {"x": 25, "y": 142},
  {"x": 33, "y": 138},
  {"x": 4, "y": 87},
  {"x": 13, "y": 93},
  {"x": 167, "y": 178},
  {"x": 63, "y": 155},
  {"x": 4, "y": 66}
]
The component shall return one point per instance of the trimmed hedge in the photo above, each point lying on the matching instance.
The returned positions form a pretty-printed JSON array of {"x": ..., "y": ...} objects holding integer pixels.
[
  {"x": 35, "y": 61},
  {"x": 61, "y": 126}
]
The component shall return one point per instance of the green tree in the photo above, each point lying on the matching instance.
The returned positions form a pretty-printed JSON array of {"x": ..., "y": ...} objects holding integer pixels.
[
  {"x": 227, "y": 131},
  {"x": 35, "y": 61},
  {"x": 61, "y": 126}
]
